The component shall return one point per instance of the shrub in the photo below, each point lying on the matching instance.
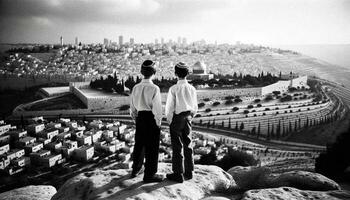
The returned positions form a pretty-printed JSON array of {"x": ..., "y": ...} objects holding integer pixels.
[
  {"x": 253, "y": 110},
  {"x": 336, "y": 159},
  {"x": 236, "y": 158},
  {"x": 246, "y": 111},
  {"x": 200, "y": 105},
  {"x": 250, "y": 106},
  {"x": 124, "y": 107},
  {"x": 268, "y": 98},
  {"x": 216, "y": 103},
  {"x": 207, "y": 110},
  {"x": 229, "y": 97},
  {"x": 229, "y": 102},
  {"x": 206, "y": 99},
  {"x": 259, "y": 105},
  {"x": 286, "y": 98},
  {"x": 238, "y": 100},
  {"x": 264, "y": 114},
  {"x": 234, "y": 109},
  {"x": 276, "y": 108},
  {"x": 257, "y": 100},
  {"x": 267, "y": 109},
  {"x": 276, "y": 93}
]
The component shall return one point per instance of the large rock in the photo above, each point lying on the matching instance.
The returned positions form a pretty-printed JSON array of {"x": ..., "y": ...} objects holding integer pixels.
[
  {"x": 39, "y": 192},
  {"x": 117, "y": 184},
  {"x": 293, "y": 193},
  {"x": 305, "y": 181},
  {"x": 248, "y": 178}
]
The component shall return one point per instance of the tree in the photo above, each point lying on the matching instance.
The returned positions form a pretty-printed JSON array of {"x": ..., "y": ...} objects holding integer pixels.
[
  {"x": 259, "y": 131},
  {"x": 278, "y": 129},
  {"x": 336, "y": 159},
  {"x": 229, "y": 123},
  {"x": 242, "y": 126},
  {"x": 236, "y": 127}
]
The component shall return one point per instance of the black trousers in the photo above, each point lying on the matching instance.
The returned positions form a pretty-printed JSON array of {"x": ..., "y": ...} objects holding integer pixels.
[
  {"x": 180, "y": 133},
  {"x": 146, "y": 143}
]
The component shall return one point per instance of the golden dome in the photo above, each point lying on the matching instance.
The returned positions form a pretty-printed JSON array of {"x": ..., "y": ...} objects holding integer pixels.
[{"x": 199, "y": 68}]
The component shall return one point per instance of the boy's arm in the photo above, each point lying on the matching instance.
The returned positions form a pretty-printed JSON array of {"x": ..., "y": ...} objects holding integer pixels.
[
  {"x": 157, "y": 107},
  {"x": 170, "y": 106},
  {"x": 195, "y": 103},
  {"x": 133, "y": 111}
]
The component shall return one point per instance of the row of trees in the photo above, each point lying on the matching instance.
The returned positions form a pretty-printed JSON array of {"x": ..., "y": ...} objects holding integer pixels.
[
  {"x": 114, "y": 84},
  {"x": 274, "y": 131}
]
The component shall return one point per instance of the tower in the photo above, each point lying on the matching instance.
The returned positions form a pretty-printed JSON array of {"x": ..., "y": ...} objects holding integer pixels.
[
  {"x": 120, "y": 40},
  {"x": 61, "y": 41},
  {"x": 132, "y": 41}
]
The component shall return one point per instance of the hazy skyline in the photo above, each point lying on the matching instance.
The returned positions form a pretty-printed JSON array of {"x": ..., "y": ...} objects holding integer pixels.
[{"x": 248, "y": 21}]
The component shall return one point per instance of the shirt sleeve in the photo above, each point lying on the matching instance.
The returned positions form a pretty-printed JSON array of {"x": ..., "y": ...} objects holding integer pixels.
[
  {"x": 157, "y": 107},
  {"x": 170, "y": 106},
  {"x": 195, "y": 102},
  {"x": 133, "y": 111}
]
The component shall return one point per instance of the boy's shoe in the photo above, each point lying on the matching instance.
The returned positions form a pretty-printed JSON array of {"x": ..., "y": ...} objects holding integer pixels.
[
  {"x": 188, "y": 175},
  {"x": 153, "y": 179},
  {"x": 136, "y": 173},
  {"x": 175, "y": 177}
]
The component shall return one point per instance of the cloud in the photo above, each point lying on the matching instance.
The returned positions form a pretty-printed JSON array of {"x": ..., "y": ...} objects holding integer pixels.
[{"x": 110, "y": 11}]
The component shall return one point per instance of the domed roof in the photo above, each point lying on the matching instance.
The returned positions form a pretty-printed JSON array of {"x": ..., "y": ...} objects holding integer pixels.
[{"x": 199, "y": 67}]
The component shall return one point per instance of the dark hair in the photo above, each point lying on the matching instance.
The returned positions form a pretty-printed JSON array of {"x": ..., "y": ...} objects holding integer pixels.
[
  {"x": 147, "y": 73},
  {"x": 181, "y": 72}
]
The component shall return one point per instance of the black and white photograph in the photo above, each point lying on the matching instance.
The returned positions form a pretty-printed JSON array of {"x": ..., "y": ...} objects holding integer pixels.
[{"x": 175, "y": 99}]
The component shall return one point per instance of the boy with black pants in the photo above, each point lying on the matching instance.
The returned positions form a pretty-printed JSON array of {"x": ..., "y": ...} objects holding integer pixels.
[
  {"x": 146, "y": 110},
  {"x": 180, "y": 108}
]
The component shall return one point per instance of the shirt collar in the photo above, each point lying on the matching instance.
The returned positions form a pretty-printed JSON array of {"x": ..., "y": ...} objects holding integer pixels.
[
  {"x": 146, "y": 81},
  {"x": 182, "y": 81}
]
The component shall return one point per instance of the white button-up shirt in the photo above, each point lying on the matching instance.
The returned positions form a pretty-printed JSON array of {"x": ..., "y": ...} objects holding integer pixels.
[
  {"x": 146, "y": 96},
  {"x": 181, "y": 97}
]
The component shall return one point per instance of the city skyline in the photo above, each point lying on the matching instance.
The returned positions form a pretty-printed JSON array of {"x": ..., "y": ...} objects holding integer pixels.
[{"x": 259, "y": 22}]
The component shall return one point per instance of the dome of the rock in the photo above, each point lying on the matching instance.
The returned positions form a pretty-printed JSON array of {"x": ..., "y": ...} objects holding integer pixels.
[{"x": 199, "y": 68}]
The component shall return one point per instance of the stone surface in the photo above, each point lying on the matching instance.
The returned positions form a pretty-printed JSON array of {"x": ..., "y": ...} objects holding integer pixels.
[
  {"x": 117, "y": 184},
  {"x": 248, "y": 178},
  {"x": 293, "y": 193},
  {"x": 305, "y": 181},
  {"x": 39, "y": 192}
]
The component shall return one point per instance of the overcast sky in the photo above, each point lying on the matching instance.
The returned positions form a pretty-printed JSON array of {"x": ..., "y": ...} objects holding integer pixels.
[{"x": 248, "y": 21}]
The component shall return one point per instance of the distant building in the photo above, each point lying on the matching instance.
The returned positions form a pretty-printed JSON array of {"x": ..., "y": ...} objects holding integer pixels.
[
  {"x": 84, "y": 153},
  {"x": 34, "y": 147},
  {"x": 199, "y": 71},
  {"x": 22, "y": 142},
  {"x": 132, "y": 41},
  {"x": 35, "y": 128},
  {"x": 162, "y": 41},
  {"x": 105, "y": 41},
  {"x": 4, "y": 149},
  {"x": 156, "y": 41},
  {"x": 4, "y": 139},
  {"x": 76, "y": 41},
  {"x": 4, "y": 128},
  {"x": 17, "y": 134},
  {"x": 120, "y": 40}
]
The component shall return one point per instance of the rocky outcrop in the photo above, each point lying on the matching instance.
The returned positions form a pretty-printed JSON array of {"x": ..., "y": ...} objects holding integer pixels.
[
  {"x": 39, "y": 192},
  {"x": 117, "y": 184},
  {"x": 293, "y": 193},
  {"x": 248, "y": 178},
  {"x": 305, "y": 181}
]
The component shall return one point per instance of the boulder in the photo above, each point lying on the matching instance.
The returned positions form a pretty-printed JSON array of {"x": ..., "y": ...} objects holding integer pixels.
[
  {"x": 117, "y": 184},
  {"x": 305, "y": 181},
  {"x": 38, "y": 192},
  {"x": 250, "y": 177},
  {"x": 293, "y": 193}
]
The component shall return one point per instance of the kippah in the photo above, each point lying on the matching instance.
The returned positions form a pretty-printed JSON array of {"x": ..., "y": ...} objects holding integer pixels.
[
  {"x": 181, "y": 65},
  {"x": 148, "y": 63}
]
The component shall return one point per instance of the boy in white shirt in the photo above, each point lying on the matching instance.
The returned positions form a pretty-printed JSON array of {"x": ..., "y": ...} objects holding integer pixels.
[
  {"x": 146, "y": 110},
  {"x": 181, "y": 106}
]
